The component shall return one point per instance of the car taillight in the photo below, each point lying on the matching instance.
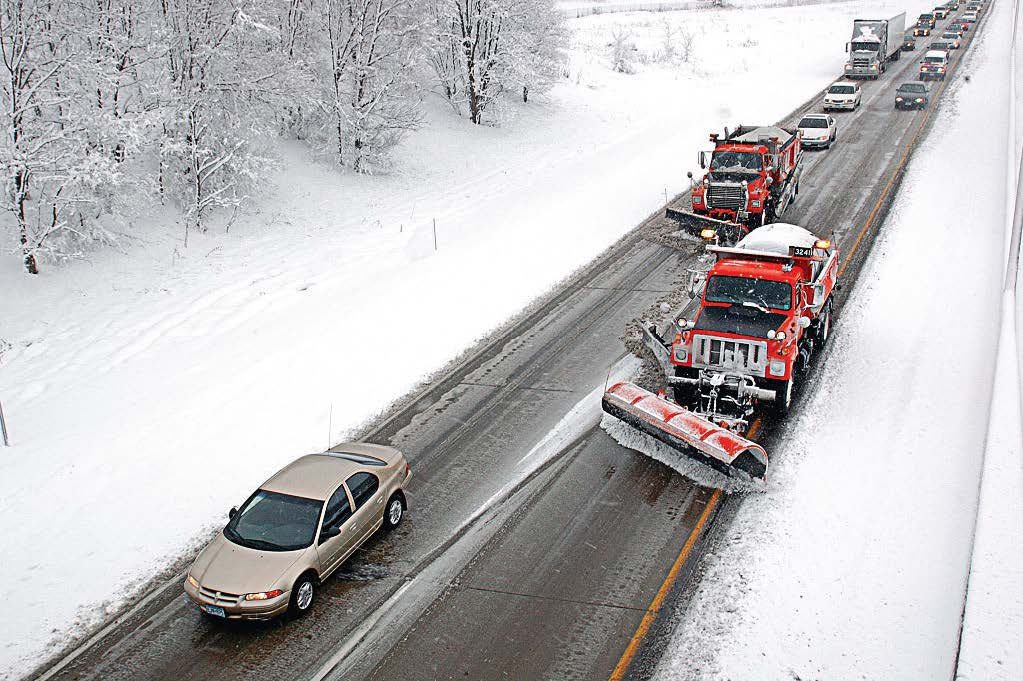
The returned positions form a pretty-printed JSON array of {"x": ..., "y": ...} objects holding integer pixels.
[{"x": 263, "y": 595}]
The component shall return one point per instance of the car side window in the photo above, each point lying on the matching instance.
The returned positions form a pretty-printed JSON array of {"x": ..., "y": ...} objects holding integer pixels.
[
  {"x": 363, "y": 486},
  {"x": 339, "y": 509}
]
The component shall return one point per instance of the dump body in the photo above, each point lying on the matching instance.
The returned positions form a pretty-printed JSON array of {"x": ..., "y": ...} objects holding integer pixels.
[{"x": 874, "y": 43}]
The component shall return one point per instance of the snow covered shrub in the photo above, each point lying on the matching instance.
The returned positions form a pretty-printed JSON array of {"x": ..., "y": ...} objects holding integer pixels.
[{"x": 623, "y": 50}]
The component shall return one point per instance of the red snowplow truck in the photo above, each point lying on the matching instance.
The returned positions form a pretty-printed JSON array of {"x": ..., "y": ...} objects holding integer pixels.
[
  {"x": 764, "y": 310},
  {"x": 753, "y": 175}
]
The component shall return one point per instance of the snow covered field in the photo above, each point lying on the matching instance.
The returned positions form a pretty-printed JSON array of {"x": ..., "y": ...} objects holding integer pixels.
[
  {"x": 147, "y": 391},
  {"x": 854, "y": 564}
]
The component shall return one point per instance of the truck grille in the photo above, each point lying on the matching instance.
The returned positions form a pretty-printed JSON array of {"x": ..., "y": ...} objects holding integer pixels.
[
  {"x": 749, "y": 357},
  {"x": 861, "y": 62},
  {"x": 725, "y": 195}
]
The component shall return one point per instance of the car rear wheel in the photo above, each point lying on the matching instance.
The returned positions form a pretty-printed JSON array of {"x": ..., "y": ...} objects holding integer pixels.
[
  {"x": 303, "y": 594},
  {"x": 394, "y": 512}
]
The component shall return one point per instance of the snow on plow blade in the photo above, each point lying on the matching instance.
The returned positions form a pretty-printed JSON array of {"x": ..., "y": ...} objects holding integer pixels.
[{"x": 686, "y": 432}]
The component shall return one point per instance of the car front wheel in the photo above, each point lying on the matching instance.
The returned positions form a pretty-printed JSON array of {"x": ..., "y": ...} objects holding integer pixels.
[{"x": 302, "y": 596}]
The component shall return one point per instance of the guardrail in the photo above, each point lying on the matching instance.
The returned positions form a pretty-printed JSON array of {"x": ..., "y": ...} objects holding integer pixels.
[{"x": 992, "y": 619}]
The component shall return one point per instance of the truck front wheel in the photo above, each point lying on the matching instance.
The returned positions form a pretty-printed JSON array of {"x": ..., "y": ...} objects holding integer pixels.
[{"x": 783, "y": 401}]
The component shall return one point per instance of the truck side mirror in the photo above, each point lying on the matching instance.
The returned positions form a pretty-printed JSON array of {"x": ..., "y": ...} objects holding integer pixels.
[
  {"x": 847, "y": 47},
  {"x": 703, "y": 159}
]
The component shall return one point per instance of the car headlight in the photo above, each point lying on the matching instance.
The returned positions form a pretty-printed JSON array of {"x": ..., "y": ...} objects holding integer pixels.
[
  {"x": 777, "y": 367},
  {"x": 193, "y": 581},
  {"x": 898, "y": 99},
  {"x": 264, "y": 595},
  {"x": 754, "y": 204}
]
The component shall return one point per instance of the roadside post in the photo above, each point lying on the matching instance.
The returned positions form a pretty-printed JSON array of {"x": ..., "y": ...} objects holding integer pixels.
[{"x": 3, "y": 426}]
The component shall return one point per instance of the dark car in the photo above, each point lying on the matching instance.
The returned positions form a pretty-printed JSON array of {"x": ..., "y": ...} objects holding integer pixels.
[
  {"x": 908, "y": 43},
  {"x": 915, "y": 95},
  {"x": 942, "y": 45}
]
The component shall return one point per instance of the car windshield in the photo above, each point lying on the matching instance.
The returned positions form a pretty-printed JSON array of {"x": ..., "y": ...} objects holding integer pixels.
[
  {"x": 841, "y": 90},
  {"x": 934, "y": 60},
  {"x": 950, "y": 36},
  {"x": 758, "y": 293},
  {"x": 271, "y": 521},
  {"x": 735, "y": 161},
  {"x": 913, "y": 87}
]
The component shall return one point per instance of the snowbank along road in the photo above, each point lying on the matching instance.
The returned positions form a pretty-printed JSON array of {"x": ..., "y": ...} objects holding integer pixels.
[{"x": 560, "y": 569}]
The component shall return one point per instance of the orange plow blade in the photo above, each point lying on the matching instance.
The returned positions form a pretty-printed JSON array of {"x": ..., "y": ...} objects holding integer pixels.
[{"x": 686, "y": 432}]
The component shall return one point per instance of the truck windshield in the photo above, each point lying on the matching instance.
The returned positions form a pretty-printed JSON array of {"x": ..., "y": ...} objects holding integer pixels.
[
  {"x": 871, "y": 46},
  {"x": 773, "y": 295},
  {"x": 732, "y": 161}
]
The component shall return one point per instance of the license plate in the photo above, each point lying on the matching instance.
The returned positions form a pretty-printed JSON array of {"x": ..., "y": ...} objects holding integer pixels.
[{"x": 214, "y": 610}]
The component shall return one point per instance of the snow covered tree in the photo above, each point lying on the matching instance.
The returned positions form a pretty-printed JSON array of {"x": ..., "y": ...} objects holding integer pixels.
[
  {"x": 374, "y": 45},
  {"x": 221, "y": 73},
  {"x": 484, "y": 48}
]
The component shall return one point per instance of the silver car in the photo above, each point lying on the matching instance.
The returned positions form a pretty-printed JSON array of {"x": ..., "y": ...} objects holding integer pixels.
[{"x": 297, "y": 529}]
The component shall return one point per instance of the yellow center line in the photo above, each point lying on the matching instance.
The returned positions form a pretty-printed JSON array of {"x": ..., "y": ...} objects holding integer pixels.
[{"x": 662, "y": 593}]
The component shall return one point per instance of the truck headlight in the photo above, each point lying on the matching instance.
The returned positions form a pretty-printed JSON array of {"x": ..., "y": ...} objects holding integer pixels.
[
  {"x": 777, "y": 367},
  {"x": 681, "y": 353},
  {"x": 898, "y": 99}
]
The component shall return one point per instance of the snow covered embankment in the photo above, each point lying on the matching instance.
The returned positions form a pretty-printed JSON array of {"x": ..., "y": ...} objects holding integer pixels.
[
  {"x": 991, "y": 648},
  {"x": 854, "y": 563}
]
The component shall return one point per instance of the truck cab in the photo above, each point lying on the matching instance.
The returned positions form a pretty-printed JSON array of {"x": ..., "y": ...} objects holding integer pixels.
[{"x": 765, "y": 309}]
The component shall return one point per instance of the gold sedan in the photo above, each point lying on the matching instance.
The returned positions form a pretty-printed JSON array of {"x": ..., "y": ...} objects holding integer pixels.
[{"x": 296, "y": 529}]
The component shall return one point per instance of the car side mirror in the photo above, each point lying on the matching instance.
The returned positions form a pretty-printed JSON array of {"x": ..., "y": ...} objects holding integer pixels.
[
  {"x": 329, "y": 533},
  {"x": 232, "y": 513}
]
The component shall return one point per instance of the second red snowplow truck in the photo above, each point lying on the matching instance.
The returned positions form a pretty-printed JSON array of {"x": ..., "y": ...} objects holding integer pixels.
[{"x": 753, "y": 175}]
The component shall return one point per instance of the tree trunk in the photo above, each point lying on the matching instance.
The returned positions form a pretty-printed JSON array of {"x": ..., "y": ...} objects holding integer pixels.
[{"x": 21, "y": 190}]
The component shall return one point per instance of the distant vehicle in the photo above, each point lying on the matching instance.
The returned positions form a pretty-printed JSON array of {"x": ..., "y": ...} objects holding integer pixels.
[
  {"x": 908, "y": 44},
  {"x": 953, "y": 5},
  {"x": 842, "y": 95},
  {"x": 974, "y": 7},
  {"x": 944, "y": 45},
  {"x": 296, "y": 529},
  {"x": 963, "y": 26},
  {"x": 920, "y": 31},
  {"x": 915, "y": 95},
  {"x": 969, "y": 17},
  {"x": 934, "y": 65},
  {"x": 940, "y": 12},
  {"x": 952, "y": 37},
  {"x": 819, "y": 130},
  {"x": 926, "y": 19},
  {"x": 874, "y": 43}
]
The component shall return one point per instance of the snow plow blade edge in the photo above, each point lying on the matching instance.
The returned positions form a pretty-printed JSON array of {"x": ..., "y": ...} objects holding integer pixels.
[{"x": 686, "y": 432}]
